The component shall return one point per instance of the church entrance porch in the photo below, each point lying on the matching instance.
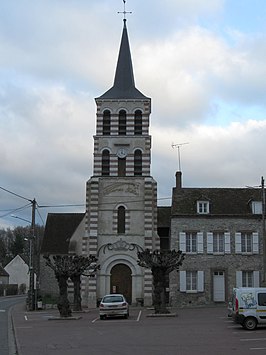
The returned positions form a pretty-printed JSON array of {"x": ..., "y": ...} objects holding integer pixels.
[{"x": 121, "y": 281}]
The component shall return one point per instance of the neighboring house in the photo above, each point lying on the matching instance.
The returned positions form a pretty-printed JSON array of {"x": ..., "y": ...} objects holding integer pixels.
[
  {"x": 4, "y": 276},
  {"x": 18, "y": 272},
  {"x": 62, "y": 235},
  {"x": 220, "y": 231}
]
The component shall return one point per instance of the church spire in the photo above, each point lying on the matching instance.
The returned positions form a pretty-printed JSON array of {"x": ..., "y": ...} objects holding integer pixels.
[{"x": 124, "y": 83}]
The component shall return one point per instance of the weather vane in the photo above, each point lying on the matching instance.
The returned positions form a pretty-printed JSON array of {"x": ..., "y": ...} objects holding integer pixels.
[
  {"x": 178, "y": 145},
  {"x": 124, "y": 12}
]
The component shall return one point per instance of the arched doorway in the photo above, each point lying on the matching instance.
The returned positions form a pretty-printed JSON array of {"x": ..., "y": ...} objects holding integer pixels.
[{"x": 121, "y": 281}]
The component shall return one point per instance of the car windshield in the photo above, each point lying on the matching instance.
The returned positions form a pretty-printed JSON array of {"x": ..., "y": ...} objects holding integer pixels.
[{"x": 112, "y": 299}]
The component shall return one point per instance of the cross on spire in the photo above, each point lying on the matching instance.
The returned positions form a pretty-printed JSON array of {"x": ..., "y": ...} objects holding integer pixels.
[{"x": 124, "y": 12}]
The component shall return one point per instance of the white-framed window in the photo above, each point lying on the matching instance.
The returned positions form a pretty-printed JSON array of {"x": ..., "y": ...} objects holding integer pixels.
[
  {"x": 246, "y": 278},
  {"x": 247, "y": 243},
  {"x": 256, "y": 207},
  {"x": 218, "y": 242},
  {"x": 203, "y": 207},
  {"x": 191, "y": 242},
  {"x": 191, "y": 281}
]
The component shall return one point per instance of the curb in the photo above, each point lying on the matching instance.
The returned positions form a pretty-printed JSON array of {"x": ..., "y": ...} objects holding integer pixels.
[{"x": 13, "y": 342}]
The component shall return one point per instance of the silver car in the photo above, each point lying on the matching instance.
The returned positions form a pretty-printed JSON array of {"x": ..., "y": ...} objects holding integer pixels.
[{"x": 114, "y": 305}]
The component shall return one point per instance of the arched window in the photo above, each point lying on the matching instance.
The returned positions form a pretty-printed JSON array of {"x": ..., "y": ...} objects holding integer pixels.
[
  {"x": 121, "y": 166},
  {"x": 106, "y": 123},
  {"x": 121, "y": 220},
  {"x": 138, "y": 162},
  {"x": 105, "y": 163},
  {"x": 122, "y": 123},
  {"x": 138, "y": 123}
]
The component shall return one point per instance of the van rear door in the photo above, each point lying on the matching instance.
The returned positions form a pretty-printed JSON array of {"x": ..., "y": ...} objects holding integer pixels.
[{"x": 261, "y": 308}]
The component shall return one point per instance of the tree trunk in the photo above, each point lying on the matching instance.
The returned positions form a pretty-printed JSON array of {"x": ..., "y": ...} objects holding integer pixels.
[
  {"x": 159, "y": 291},
  {"x": 77, "y": 296},
  {"x": 63, "y": 303}
]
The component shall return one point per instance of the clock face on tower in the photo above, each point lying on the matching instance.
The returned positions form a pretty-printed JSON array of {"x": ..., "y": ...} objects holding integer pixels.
[{"x": 121, "y": 153}]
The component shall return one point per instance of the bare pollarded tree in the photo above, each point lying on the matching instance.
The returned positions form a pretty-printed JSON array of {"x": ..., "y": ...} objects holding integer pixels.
[
  {"x": 161, "y": 263},
  {"x": 70, "y": 267}
]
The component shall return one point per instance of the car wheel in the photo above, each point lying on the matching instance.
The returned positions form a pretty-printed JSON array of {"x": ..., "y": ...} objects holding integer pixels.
[
  {"x": 102, "y": 317},
  {"x": 250, "y": 323},
  {"x": 126, "y": 316}
]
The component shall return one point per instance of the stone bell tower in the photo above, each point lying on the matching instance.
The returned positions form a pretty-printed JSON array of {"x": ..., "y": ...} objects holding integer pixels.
[{"x": 121, "y": 196}]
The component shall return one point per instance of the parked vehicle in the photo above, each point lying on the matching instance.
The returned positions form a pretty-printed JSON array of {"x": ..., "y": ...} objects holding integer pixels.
[
  {"x": 230, "y": 309},
  {"x": 249, "y": 306},
  {"x": 114, "y": 305}
]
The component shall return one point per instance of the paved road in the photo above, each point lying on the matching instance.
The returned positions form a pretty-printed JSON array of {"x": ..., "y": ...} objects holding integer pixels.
[
  {"x": 193, "y": 331},
  {"x": 6, "y": 333}
]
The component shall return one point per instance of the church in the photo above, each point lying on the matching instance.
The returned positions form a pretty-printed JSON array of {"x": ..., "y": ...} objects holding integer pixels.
[
  {"x": 121, "y": 195},
  {"x": 220, "y": 230}
]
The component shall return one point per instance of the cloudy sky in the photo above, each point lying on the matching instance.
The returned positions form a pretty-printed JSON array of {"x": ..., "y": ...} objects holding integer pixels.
[{"x": 203, "y": 63}]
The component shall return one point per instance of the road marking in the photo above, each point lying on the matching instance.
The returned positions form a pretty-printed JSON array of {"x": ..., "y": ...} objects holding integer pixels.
[
  {"x": 94, "y": 320},
  {"x": 2, "y": 310},
  {"x": 257, "y": 348},
  {"x": 26, "y": 318},
  {"x": 139, "y": 316},
  {"x": 254, "y": 339}
]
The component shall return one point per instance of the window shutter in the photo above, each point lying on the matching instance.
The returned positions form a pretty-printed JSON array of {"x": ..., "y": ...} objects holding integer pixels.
[
  {"x": 209, "y": 242},
  {"x": 227, "y": 245},
  {"x": 239, "y": 279},
  {"x": 200, "y": 242},
  {"x": 238, "y": 243},
  {"x": 256, "y": 278},
  {"x": 255, "y": 240},
  {"x": 182, "y": 241},
  {"x": 182, "y": 281},
  {"x": 200, "y": 280}
]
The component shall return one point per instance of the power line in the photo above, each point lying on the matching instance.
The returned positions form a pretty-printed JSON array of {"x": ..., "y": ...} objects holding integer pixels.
[
  {"x": 40, "y": 216},
  {"x": 13, "y": 193},
  {"x": 63, "y": 205},
  {"x": 15, "y": 210}
]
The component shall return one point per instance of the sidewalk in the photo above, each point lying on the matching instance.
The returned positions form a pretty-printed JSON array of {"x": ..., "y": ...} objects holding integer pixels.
[{"x": 36, "y": 334}]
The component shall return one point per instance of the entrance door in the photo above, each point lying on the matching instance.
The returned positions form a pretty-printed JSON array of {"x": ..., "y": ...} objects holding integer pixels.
[
  {"x": 218, "y": 286},
  {"x": 121, "y": 281}
]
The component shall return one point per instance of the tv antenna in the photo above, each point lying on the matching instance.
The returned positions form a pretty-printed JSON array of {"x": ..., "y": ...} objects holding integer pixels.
[{"x": 178, "y": 146}]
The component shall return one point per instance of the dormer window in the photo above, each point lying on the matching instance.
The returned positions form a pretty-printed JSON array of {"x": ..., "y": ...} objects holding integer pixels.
[
  {"x": 203, "y": 207},
  {"x": 256, "y": 207}
]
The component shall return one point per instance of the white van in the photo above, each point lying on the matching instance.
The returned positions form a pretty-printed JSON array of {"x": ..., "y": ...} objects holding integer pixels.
[{"x": 249, "y": 306}]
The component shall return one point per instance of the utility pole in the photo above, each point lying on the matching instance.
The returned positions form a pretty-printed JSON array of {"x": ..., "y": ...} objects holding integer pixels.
[
  {"x": 263, "y": 230},
  {"x": 31, "y": 298}
]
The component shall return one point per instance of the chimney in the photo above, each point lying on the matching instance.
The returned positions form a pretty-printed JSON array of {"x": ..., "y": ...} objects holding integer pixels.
[{"x": 178, "y": 179}]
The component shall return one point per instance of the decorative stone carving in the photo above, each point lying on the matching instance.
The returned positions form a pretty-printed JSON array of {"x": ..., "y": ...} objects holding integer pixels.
[
  {"x": 120, "y": 245},
  {"x": 127, "y": 188}
]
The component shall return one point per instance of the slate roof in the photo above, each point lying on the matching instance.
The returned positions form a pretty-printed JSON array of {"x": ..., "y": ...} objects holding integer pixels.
[
  {"x": 223, "y": 201},
  {"x": 163, "y": 216},
  {"x": 3, "y": 272},
  {"x": 124, "y": 83},
  {"x": 59, "y": 229}
]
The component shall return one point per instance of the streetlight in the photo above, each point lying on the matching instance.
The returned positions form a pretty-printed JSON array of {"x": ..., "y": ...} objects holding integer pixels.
[{"x": 31, "y": 294}]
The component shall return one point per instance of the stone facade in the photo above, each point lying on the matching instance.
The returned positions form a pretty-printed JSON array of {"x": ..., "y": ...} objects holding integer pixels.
[{"x": 223, "y": 244}]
